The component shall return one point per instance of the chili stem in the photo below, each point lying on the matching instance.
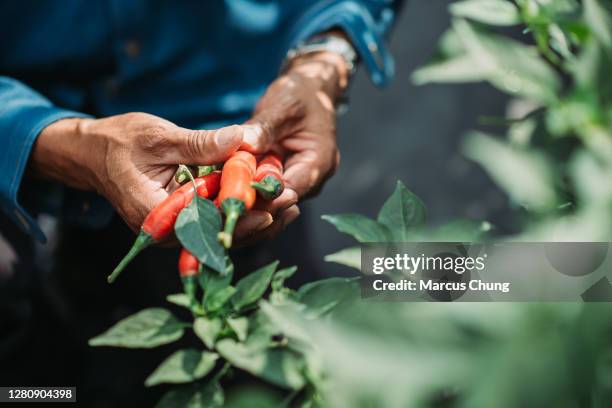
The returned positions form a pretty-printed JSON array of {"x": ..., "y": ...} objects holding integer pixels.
[
  {"x": 269, "y": 187},
  {"x": 143, "y": 240},
  {"x": 205, "y": 170},
  {"x": 189, "y": 286},
  {"x": 233, "y": 209}
]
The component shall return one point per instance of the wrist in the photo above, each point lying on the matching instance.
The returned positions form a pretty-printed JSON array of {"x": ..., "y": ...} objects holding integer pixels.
[
  {"x": 327, "y": 71},
  {"x": 63, "y": 152}
]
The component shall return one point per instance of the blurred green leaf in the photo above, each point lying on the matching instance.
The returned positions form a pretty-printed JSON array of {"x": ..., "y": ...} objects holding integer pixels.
[
  {"x": 278, "y": 280},
  {"x": 196, "y": 228},
  {"x": 453, "y": 70},
  {"x": 586, "y": 67},
  {"x": 599, "y": 21},
  {"x": 208, "y": 329},
  {"x": 280, "y": 366},
  {"x": 592, "y": 180},
  {"x": 531, "y": 180},
  {"x": 509, "y": 65},
  {"x": 253, "y": 397},
  {"x": 146, "y": 329},
  {"x": 193, "y": 396},
  {"x": 183, "y": 366},
  {"x": 321, "y": 296},
  {"x": 350, "y": 257},
  {"x": 363, "y": 229},
  {"x": 252, "y": 287},
  {"x": 460, "y": 231},
  {"x": 286, "y": 319},
  {"x": 495, "y": 12},
  {"x": 179, "y": 299},
  {"x": 240, "y": 326}
]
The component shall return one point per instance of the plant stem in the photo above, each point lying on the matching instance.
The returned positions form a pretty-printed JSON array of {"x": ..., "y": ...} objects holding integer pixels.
[{"x": 143, "y": 240}]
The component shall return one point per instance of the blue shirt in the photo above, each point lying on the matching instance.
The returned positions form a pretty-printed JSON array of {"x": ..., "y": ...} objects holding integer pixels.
[{"x": 197, "y": 63}]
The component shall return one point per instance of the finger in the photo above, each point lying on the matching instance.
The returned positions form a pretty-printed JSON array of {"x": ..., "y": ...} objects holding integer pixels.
[
  {"x": 252, "y": 222},
  {"x": 204, "y": 147},
  {"x": 258, "y": 137},
  {"x": 172, "y": 186},
  {"x": 287, "y": 217},
  {"x": 287, "y": 199},
  {"x": 302, "y": 172},
  {"x": 136, "y": 202},
  {"x": 270, "y": 125}
]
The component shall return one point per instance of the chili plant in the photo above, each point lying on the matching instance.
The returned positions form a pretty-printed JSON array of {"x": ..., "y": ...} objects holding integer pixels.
[{"x": 322, "y": 345}]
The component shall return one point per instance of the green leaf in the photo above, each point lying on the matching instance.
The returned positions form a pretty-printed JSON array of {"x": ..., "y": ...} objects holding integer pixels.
[
  {"x": 586, "y": 67},
  {"x": 525, "y": 174},
  {"x": 254, "y": 397},
  {"x": 361, "y": 228},
  {"x": 402, "y": 212},
  {"x": 213, "y": 282},
  {"x": 217, "y": 300},
  {"x": 321, "y": 296},
  {"x": 252, "y": 287},
  {"x": 240, "y": 326},
  {"x": 286, "y": 319},
  {"x": 453, "y": 70},
  {"x": 494, "y": 12},
  {"x": 193, "y": 396},
  {"x": 592, "y": 180},
  {"x": 179, "y": 299},
  {"x": 279, "y": 366},
  {"x": 460, "y": 231},
  {"x": 599, "y": 21},
  {"x": 278, "y": 280},
  {"x": 146, "y": 329},
  {"x": 350, "y": 257},
  {"x": 183, "y": 366},
  {"x": 196, "y": 228},
  {"x": 509, "y": 65},
  {"x": 207, "y": 329}
]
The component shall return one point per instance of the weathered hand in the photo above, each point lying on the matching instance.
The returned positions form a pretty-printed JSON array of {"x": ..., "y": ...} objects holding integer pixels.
[
  {"x": 296, "y": 117},
  {"x": 129, "y": 159}
]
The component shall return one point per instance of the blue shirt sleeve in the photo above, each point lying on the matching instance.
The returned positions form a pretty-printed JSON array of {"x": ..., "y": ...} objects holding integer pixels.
[
  {"x": 24, "y": 113},
  {"x": 366, "y": 22}
]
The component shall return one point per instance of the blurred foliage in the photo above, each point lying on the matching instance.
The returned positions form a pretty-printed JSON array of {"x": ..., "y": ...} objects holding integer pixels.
[
  {"x": 556, "y": 159},
  {"x": 323, "y": 346}
]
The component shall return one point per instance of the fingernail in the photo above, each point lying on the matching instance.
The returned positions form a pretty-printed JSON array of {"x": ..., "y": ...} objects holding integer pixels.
[
  {"x": 251, "y": 135},
  {"x": 292, "y": 213},
  {"x": 228, "y": 137}
]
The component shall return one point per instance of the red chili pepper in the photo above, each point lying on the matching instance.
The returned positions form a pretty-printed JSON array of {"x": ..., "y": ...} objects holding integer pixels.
[
  {"x": 189, "y": 268},
  {"x": 236, "y": 195},
  {"x": 269, "y": 177},
  {"x": 159, "y": 223},
  {"x": 188, "y": 265}
]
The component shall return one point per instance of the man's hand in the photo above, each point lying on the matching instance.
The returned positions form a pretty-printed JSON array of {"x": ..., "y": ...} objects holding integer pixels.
[
  {"x": 296, "y": 117},
  {"x": 129, "y": 159}
]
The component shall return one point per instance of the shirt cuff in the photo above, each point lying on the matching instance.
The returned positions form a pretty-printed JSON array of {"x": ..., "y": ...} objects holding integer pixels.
[
  {"x": 20, "y": 128},
  {"x": 365, "y": 32}
]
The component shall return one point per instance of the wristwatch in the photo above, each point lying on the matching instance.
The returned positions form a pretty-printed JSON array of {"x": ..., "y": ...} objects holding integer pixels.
[{"x": 327, "y": 43}]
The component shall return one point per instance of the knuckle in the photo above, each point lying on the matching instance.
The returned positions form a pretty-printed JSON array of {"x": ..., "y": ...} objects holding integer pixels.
[
  {"x": 196, "y": 142},
  {"x": 154, "y": 137}
]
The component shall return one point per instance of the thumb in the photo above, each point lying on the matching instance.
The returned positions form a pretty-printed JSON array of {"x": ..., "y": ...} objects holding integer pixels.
[
  {"x": 265, "y": 128},
  {"x": 204, "y": 147},
  {"x": 258, "y": 137}
]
